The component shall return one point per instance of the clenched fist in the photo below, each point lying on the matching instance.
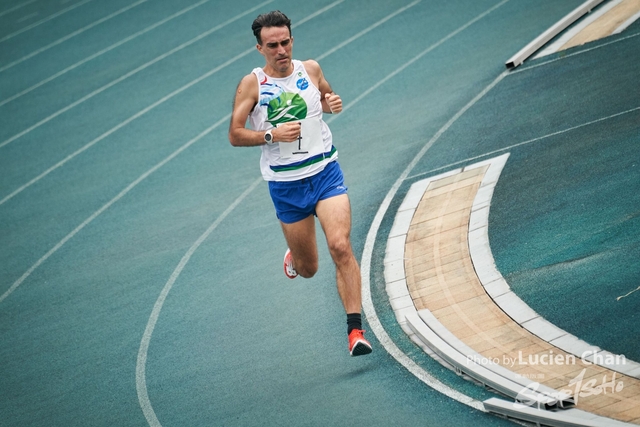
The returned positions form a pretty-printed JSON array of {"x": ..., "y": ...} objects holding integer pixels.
[
  {"x": 334, "y": 102},
  {"x": 287, "y": 132}
]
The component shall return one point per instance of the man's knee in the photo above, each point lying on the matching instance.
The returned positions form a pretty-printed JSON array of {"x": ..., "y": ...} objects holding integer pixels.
[
  {"x": 307, "y": 270},
  {"x": 340, "y": 249}
]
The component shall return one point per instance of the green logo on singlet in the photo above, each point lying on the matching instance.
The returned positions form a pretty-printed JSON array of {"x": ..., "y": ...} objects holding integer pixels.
[{"x": 285, "y": 108}]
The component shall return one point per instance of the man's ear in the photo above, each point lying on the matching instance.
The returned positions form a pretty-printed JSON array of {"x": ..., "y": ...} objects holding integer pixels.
[{"x": 259, "y": 48}]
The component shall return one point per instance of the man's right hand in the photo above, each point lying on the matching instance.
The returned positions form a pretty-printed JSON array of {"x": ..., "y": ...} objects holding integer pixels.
[{"x": 287, "y": 132}]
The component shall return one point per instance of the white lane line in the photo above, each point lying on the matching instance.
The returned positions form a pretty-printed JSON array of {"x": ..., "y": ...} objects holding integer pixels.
[
  {"x": 106, "y": 206},
  {"x": 16, "y": 7},
  {"x": 27, "y": 17},
  {"x": 145, "y": 111},
  {"x": 42, "y": 21},
  {"x": 71, "y": 35},
  {"x": 141, "y": 380},
  {"x": 366, "y": 30},
  {"x": 317, "y": 12},
  {"x": 421, "y": 54},
  {"x": 102, "y": 52},
  {"x": 132, "y": 72},
  {"x": 529, "y": 141}
]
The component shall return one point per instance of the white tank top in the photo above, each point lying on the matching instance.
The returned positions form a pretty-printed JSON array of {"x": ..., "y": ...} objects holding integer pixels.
[{"x": 293, "y": 98}]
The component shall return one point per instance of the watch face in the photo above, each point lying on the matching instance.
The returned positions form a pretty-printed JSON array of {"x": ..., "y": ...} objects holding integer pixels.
[{"x": 268, "y": 137}]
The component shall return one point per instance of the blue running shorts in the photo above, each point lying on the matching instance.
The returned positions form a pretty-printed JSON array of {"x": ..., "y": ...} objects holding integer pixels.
[{"x": 296, "y": 200}]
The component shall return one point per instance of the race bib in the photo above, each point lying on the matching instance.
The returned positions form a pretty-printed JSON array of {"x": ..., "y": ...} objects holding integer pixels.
[{"x": 309, "y": 143}]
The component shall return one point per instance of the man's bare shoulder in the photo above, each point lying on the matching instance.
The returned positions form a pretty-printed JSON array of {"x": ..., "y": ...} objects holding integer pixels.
[
  {"x": 312, "y": 66},
  {"x": 245, "y": 99},
  {"x": 248, "y": 85},
  {"x": 315, "y": 72}
]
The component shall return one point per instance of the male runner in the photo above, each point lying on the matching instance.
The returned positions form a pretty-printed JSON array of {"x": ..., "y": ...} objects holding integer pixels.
[{"x": 284, "y": 102}]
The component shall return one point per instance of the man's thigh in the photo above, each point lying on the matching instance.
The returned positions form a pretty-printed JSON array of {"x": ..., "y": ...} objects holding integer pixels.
[
  {"x": 334, "y": 214},
  {"x": 301, "y": 239}
]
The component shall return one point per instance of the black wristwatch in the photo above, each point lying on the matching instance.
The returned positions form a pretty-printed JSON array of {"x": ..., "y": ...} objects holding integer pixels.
[{"x": 268, "y": 138}]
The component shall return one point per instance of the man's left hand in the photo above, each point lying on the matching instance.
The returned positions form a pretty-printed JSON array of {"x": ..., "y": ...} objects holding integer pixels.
[{"x": 334, "y": 102}]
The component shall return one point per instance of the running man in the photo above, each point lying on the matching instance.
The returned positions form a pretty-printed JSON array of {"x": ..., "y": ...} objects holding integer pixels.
[{"x": 284, "y": 102}]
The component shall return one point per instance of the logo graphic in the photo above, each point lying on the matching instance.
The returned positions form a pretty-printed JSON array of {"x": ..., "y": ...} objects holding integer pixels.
[
  {"x": 282, "y": 106},
  {"x": 302, "y": 84},
  {"x": 580, "y": 389}
]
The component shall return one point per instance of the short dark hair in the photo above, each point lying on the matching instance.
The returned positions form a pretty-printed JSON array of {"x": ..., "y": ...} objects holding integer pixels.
[{"x": 270, "y": 19}]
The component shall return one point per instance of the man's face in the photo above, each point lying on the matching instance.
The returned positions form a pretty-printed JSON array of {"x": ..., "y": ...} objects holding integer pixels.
[{"x": 276, "y": 48}]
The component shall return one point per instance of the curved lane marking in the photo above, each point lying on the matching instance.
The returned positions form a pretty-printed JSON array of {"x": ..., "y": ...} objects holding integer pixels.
[
  {"x": 141, "y": 381},
  {"x": 365, "y": 264}
]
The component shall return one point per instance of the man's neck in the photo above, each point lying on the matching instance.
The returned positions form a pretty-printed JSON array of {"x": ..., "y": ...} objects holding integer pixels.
[{"x": 271, "y": 72}]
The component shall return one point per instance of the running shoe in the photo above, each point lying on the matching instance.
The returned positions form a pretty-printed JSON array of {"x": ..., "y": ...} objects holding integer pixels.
[
  {"x": 288, "y": 265},
  {"x": 358, "y": 346}
]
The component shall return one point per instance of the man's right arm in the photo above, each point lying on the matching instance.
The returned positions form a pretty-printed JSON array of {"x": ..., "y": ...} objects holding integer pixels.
[{"x": 245, "y": 100}]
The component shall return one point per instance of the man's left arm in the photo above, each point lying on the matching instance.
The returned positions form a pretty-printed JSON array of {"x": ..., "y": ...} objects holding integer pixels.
[{"x": 331, "y": 102}]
